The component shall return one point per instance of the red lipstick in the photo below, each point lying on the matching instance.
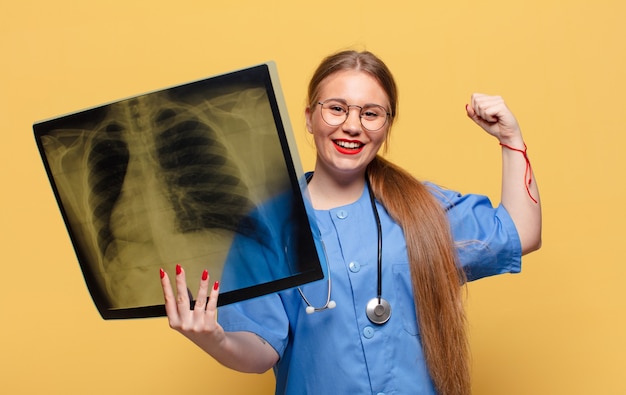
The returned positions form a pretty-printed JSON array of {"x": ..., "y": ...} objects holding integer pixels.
[{"x": 348, "y": 147}]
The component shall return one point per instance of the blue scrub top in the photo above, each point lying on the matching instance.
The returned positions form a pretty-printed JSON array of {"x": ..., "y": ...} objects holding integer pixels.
[{"x": 340, "y": 351}]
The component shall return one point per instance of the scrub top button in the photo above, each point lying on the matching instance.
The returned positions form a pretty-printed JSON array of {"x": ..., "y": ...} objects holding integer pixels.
[
  {"x": 368, "y": 332},
  {"x": 342, "y": 214},
  {"x": 354, "y": 266}
]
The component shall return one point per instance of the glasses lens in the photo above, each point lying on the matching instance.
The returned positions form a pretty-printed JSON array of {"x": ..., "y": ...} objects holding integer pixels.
[
  {"x": 334, "y": 112},
  {"x": 373, "y": 117}
]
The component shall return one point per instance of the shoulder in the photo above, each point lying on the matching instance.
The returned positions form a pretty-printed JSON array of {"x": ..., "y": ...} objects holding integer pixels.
[
  {"x": 447, "y": 197},
  {"x": 452, "y": 199}
]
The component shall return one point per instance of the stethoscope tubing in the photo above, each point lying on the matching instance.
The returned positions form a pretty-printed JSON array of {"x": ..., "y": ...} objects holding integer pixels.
[{"x": 378, "y": 310}]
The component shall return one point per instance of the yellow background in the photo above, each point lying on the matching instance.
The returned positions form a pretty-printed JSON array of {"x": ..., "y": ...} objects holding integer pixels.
[{"x": 557, "y": 328}]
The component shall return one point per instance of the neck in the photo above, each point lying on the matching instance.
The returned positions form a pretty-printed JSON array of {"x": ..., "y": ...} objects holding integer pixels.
[{"x": 328, "y": 191}]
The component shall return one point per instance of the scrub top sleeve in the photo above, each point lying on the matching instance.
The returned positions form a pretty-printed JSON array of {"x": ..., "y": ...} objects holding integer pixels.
[
  {"x": 264, "y": 316},
  {"x": 487, "y": 240}
]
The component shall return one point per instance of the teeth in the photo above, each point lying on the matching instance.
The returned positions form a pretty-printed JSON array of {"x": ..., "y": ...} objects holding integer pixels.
[{"x": 346, "y": 144}]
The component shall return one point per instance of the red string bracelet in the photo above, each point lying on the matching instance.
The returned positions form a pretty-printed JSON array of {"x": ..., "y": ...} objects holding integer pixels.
[{"x": 528, "y": 173}]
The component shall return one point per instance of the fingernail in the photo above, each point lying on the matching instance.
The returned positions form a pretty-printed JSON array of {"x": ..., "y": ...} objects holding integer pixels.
[
  {"x": 216, "y": 285},
  {"x": 161, "y": 273},
  {"x": 178, "y": 269},
  {"x": 205, "y": 275}
]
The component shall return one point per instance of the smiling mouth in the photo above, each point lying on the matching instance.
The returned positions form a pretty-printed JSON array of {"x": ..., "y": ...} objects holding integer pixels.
[
  {"x": 348, "y": 147},
  {"x": 354, "y": 145}
]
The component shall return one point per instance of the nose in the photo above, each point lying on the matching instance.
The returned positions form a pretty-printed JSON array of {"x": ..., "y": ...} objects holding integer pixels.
[{"x": 352, "y": 123}]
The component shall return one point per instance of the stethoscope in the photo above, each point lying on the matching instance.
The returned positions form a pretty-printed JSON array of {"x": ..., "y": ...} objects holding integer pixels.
[{"x": 378, "y": 310}]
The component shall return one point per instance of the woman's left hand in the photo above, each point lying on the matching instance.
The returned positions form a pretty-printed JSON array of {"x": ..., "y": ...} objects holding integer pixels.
[{"x": 492, "y": 114}]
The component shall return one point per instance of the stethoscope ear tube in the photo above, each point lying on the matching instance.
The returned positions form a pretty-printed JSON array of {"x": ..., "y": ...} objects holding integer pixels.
[{"x": 330, "y": 304}]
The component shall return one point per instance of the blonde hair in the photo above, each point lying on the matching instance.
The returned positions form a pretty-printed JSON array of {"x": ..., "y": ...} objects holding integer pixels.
[{"x": 435, "y": 275}]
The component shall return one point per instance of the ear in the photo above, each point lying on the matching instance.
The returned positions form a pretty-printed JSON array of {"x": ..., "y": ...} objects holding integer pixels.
[{"x": 307, "y": 117}]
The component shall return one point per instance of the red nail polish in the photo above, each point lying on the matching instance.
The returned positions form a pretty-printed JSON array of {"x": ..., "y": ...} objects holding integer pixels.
[
  {"x": 161, "y": 273},
  {"x": 178, "y": 269},
  {"x": 205, "y": 275},
  {"x": 216, "y": 285}
]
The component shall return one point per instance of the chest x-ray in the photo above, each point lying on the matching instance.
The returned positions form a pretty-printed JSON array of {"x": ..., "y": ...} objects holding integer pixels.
[{"x": 175, "y": 177}]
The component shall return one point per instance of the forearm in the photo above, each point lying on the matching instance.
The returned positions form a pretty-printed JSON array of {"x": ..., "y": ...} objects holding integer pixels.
[
  {"x": 242, "y": 351},
  {"x": 520, "y": 193}
]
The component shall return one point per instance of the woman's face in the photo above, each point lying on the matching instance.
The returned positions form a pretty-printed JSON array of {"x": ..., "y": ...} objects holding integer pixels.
[{"x": 348, "y": 148}]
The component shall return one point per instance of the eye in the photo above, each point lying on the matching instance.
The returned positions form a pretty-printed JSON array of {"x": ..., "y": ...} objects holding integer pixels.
[
  {"x": 336, "y": 108},
  {"x": 373, "y": 112}
]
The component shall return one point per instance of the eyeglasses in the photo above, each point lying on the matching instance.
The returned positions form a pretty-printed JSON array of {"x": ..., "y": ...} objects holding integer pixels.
[{"x": 335, "y": 112}]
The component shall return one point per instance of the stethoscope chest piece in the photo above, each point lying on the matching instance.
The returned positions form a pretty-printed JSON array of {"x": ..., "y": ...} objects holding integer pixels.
[{"x": 378, "y": 310}]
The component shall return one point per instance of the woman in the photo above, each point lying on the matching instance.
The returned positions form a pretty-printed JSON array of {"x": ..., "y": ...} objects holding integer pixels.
[{"x": 394, "y": 245}]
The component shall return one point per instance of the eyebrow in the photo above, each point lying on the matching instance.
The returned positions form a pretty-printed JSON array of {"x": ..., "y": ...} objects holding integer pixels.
[{"x": 344, "y": 101}]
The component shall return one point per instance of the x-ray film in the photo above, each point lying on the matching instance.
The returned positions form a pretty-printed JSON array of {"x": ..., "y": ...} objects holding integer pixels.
[{"x": 205, "y": 175}]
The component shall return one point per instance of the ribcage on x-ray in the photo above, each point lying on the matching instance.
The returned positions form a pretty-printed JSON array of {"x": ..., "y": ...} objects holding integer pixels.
[
  {"x": 152, "y": 181},
  {"x": 107, "y": 161},
  {"x": 204, "y": 184},
  {"x": 196, "y": 176}
]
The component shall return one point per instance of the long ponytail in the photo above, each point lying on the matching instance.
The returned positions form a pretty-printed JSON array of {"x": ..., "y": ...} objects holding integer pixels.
[{"x": 435, "y": 275}]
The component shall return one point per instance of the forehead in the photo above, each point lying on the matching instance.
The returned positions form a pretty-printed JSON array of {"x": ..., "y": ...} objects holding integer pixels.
[{"x": 354, "y": 86}]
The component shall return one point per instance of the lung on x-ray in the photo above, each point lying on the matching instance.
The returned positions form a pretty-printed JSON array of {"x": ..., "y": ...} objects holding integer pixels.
[{"x": 204, "y": 174}]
